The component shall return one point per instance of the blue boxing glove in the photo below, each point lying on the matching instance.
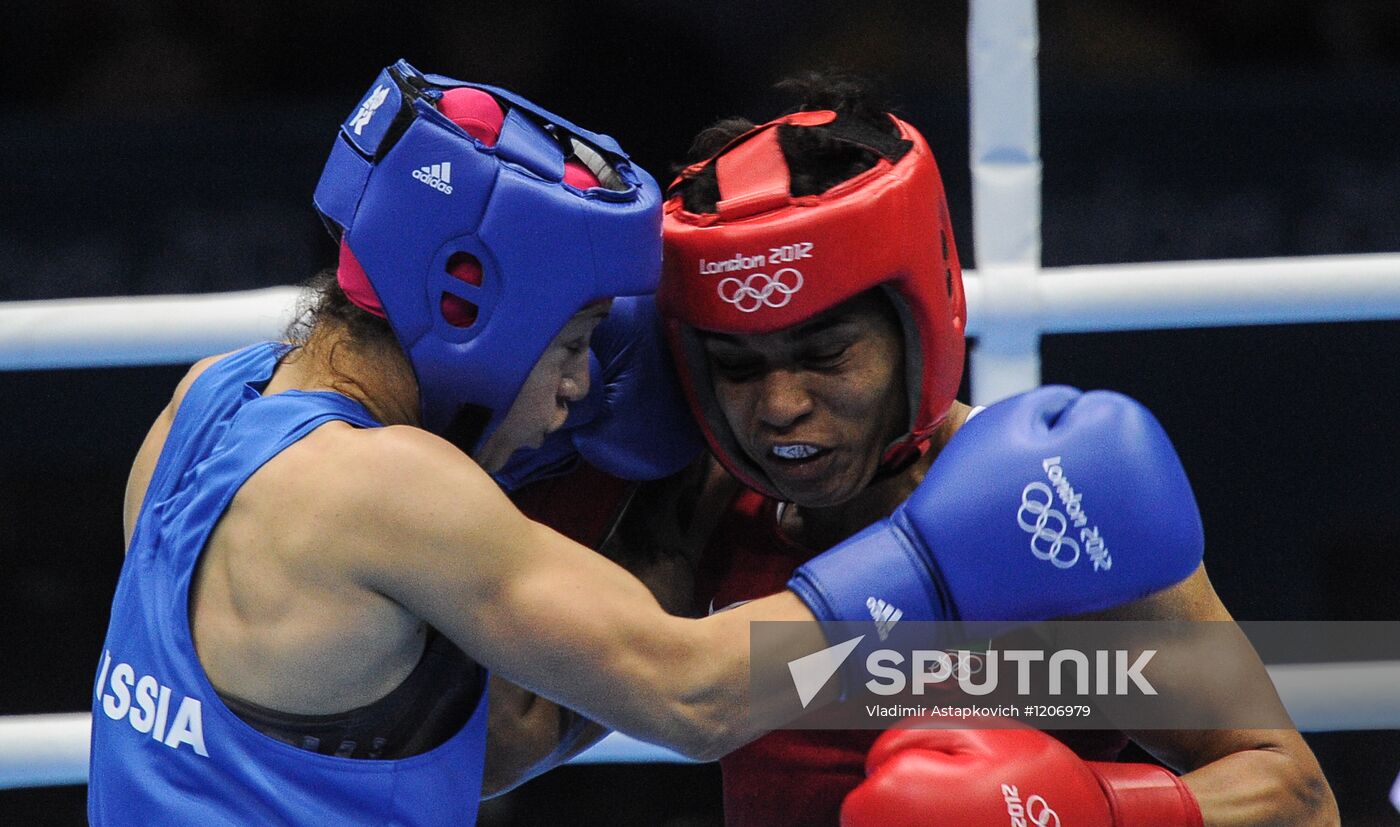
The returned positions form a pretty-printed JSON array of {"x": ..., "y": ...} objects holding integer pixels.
[
  {"x": 1051, "y": 503},
  {"x": 634, "y": 424}
]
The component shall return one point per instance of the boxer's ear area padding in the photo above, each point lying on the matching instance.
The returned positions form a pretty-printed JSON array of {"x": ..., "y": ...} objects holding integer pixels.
[
  {"x": 460, "y": 312},
  {"x": 597, "y": 164},
  {"x": 475, "y": 111}
]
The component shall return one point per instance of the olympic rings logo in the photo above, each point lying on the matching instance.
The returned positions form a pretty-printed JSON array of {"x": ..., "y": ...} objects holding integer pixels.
[
  {"x": 954, "y": 663},
  {"x": 760, "y": 289},
  {"x": 1047, "y": 542},
  {"x": 1036, "y": 812},
  {"x": 972, "y": 663},
  {"x": 967, "y": 664},
  {"x": 1040, "y": 813}
]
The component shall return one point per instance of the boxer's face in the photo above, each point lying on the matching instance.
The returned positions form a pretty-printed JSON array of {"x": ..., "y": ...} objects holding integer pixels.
[
  {"x": 558, "y": 378},
  {"x": 815, "y": 405}
]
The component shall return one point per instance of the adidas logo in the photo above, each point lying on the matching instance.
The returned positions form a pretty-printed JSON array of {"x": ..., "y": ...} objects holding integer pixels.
[
  {"x": 884, "y": 614},
  {"x": 371, "y": 105},
  {"x": 437, "y": 176}
]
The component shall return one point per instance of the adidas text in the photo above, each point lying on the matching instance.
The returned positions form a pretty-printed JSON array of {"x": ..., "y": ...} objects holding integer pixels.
[{"x": 437, "y": 176}]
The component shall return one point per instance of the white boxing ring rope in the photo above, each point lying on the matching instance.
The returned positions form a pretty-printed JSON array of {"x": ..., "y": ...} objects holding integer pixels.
[
  {"x": 1012, "y": 301},
  {"x": 47, "y": 750},
  {"x": 158, "y": 330}
]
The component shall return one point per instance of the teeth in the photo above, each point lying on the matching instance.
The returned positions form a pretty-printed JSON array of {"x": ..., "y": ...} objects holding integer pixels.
[{"x": 794, "y": 451}]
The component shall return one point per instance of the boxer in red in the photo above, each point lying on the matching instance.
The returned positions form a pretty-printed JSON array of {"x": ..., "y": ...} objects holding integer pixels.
[
  {"x": 828, "y": 413},
  {"x": 813, "y": 301}
]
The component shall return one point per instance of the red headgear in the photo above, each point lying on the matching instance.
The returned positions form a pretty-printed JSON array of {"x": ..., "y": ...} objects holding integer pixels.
[{"x": 766, "y": 260}]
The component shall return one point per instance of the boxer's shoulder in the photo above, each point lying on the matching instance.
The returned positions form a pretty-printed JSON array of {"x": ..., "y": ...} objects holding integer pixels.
[
  {"x": 161, "y": 428},
  {"x": 395, "y": 465},
  {"x": 958, "y": 416},
  {"x": 196, "y": 370},
  {"x": 367, "y": 494},
  {"x": 143, "y": 467}
]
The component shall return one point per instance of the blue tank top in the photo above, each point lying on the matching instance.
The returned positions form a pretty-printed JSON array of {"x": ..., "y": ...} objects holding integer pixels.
[{"x": 165, "y": 749}]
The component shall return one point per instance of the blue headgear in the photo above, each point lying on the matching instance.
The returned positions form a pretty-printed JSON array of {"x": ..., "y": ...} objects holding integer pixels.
[{"x": 409, "y": 192}]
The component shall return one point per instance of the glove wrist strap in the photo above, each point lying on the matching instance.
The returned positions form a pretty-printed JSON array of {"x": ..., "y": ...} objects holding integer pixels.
[{"x": 1142, "y": 795}]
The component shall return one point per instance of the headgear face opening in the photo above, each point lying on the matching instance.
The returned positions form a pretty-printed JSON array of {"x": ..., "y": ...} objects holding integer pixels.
[
  {"x": 479, "y": 251},
  {"x": 766, "y": 260}
]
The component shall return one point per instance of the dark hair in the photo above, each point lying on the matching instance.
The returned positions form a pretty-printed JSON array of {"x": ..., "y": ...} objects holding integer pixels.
[
  {"x": 817, "y": 160},
  {"x": 323, "y": 301},
  {"x": 327, "y": 318}
]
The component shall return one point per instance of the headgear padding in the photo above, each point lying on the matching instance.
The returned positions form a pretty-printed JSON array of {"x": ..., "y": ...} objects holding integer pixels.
[
  {"x": 417, "y": 199},
  {"x": 766, "y": 260}
]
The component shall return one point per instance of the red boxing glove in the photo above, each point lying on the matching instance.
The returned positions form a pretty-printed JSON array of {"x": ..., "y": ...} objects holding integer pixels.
[{"x": 1008, "y": 778}]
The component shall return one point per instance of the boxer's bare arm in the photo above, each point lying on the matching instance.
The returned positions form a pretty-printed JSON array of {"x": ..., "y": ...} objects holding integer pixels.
[
  {"x": 426, "y": 527},
  {"x": 1239, "y": 776},
  {"x": 659, "y": 540},
  {"x": 528, "y": 735}
]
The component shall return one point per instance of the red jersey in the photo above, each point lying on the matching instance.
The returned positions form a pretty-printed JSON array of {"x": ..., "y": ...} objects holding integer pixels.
[{"x": 797, "y": 778}]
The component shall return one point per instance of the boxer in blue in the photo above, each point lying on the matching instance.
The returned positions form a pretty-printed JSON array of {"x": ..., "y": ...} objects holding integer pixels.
[{"x": 320, "y": 569}]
